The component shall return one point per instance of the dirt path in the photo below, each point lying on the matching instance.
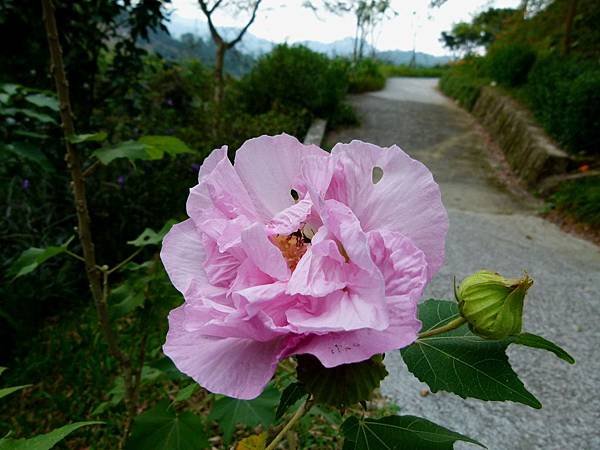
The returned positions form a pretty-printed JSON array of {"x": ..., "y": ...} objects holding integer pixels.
[{"x": 492, "y": 228}]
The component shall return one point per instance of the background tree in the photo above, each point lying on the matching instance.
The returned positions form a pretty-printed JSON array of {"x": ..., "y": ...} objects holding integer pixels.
[
  {"x": 369, "y": 15},
  {"x": 238, "y": 6},
  {"x": 481, "y": 32}
]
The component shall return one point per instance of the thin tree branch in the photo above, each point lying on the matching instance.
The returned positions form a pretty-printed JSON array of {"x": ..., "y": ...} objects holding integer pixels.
[
  {"x": 77, "y": 180},
  {"x": 125, "y": 261},
  {"x": 243, "y": 31},
  {"x": 211, "y": 26}
]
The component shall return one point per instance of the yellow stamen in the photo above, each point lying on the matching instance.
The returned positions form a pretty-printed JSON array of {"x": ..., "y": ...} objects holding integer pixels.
[{"x": 292, "y": 248}]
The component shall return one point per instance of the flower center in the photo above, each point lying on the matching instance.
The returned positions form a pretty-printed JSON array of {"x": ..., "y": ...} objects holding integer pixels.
[{"x": 292, "y": 247}]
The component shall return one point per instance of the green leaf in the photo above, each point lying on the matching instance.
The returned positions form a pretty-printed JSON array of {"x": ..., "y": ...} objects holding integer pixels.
[
  {"x": 43, "y": 101},
  {"x": 398, "y": 432},
  {"x": 147, "y": 148},
  {"x": 40, "y": 117},
  {"x": 461, "y": 362},
  {"x": 29, "y": 152},
  {"x": 129, "y": 149},
  {"x": 228, "y": 412},
  {"x": 186, "y": 393},
  {"x": 289, "y": 396},
  {"x": 168, "y": 144},
  {"x": 162, "y": 428},
  {"x": 9, "y": 390},
  {"x": 343, "y": 385},
  {"x": 534, "y": 341},
  {"x": 151, "y": 237},
  {"x": 10, "y": 89},
  {"x": 44, "y": 441},
  {"x": 2, "y": 369},
  {"x": 93, "y": 137},
  {"x": 124, "y": 300},
  {"x": 31, "y": 258}
]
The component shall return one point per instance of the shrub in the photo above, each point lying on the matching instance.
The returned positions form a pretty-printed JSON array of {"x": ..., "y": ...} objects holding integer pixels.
[
  {"x": 564, "y": 94},
  {"x": 294, "y": 77},
  {"x": 463, "y": 82},
  {"x": 364, "y": 76},
  {"x": 509, "y": 64}
]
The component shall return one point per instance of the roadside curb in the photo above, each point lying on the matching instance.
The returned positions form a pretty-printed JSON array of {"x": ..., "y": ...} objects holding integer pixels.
[{"x": 316, "y": 132}]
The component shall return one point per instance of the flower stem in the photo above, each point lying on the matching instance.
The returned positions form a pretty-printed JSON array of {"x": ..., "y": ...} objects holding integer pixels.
[
  {"x": 297, "y": 415},
  {"x": 453, "y": 324}
]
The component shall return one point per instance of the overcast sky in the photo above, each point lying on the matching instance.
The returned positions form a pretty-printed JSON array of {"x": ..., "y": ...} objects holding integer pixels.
[{"x": 287, "y": 21}]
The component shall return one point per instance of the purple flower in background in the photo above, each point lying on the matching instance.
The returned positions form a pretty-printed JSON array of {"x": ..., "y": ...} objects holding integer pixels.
[
  {"x": 121, "y": 180},
  {"x": 25, "y": 184},
  {"x": 169, "y": 102}
]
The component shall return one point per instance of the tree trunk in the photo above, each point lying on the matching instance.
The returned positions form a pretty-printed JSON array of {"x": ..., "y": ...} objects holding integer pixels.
[
  {"x": 219, "y": 62},
  {"x": 571, "y": 12}
]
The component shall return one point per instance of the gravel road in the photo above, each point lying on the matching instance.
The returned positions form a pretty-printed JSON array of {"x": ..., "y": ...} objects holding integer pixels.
[{"x": 490, "y": 227}]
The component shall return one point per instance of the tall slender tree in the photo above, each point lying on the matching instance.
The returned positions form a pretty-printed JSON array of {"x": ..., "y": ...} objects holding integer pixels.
[{"x": 209, "y": 8}]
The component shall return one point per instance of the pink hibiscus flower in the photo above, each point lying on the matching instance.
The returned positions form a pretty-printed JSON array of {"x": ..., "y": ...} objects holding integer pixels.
[{"x": 293, "y": 250}]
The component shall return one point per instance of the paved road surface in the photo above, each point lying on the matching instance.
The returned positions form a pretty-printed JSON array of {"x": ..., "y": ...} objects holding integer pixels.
[{"x": 492, "y": 228}]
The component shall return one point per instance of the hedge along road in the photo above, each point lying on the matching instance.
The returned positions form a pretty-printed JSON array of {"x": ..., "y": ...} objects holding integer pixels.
[{"x": 492, "y": 228}]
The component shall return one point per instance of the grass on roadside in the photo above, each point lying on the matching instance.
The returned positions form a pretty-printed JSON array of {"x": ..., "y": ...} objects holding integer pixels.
[{"x": 579, "y": 198}]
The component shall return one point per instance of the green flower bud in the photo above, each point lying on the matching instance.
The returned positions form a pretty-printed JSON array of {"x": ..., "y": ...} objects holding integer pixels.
[{"x": 492, "y": 304}]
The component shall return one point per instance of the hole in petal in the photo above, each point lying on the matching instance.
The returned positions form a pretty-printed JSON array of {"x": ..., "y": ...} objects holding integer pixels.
[
  {"x": 294, "y": 195},
  {"x": 376, "y": 174}
]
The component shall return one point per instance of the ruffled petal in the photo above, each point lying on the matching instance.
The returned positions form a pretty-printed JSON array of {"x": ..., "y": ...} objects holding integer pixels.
[
  {"x": 183, "y": 256},
  {"x": 236, "y": 367},
  {"x": 334, "y": 349},
  {"x": 402, "y": 264},
  {"x": 269, "y": 167},
  {"x": 320, "y": 271},
  {"x": 339, "y": 311},
  {"x": 405, "y": 199},
  {"x": 263, "y": 253},
  {"x": 290, "y": 219},
  {"x": 220, "y": 194}
]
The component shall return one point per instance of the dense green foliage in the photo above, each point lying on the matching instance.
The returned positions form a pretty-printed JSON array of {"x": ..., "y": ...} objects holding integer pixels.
[
  {"x": 463, "y": 81},
  {"x": 366, "y": 75},
  {"x": 528, "y": 60},
  {"x": 295, "y": 77},
  {"x": 509, "y": 63}
]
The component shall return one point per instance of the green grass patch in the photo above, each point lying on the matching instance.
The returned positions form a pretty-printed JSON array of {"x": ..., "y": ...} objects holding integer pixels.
[
  {"x": 580, "y": 198},
  {"x": 390, "y": 70}
]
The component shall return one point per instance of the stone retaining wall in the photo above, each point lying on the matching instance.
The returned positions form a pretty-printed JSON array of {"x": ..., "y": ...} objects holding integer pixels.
[{"x": 531, "y": 154}]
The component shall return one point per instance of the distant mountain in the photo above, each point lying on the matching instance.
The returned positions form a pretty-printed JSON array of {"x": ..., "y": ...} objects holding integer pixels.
[
  {"x": 190, "y": 46},
  {"x": 250, "y": 44},
  {"x": 255, "y": 46},
  {"x": 342, "y": 47}
]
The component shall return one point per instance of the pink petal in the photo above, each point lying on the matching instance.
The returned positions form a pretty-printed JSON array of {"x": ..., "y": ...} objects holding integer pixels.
[
  {"x": 236, "y": 367},
  {"x": 402, "y": 264},
  {"x": 290, "y": 219},
  {"x": 406, "y": 200},
  {"x": 269, "y": 167},
  {"x": 334, "y": 349},
  {"x": 183, "y": 256},
  {"x": 320, "y": 271},
  {"x": 263, "y": 253},
  {"x": 339, "y": 311},
  {"x": 220, "y": 194}
]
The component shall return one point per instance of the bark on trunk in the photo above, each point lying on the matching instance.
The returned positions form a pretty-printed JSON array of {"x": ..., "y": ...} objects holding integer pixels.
[
  {"x": 571, "y": 12},
  {"x": 219, "y": 62}
]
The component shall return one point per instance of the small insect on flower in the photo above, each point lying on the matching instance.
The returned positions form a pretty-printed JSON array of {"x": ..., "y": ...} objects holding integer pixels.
[{"x": 292, "y": 250}]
